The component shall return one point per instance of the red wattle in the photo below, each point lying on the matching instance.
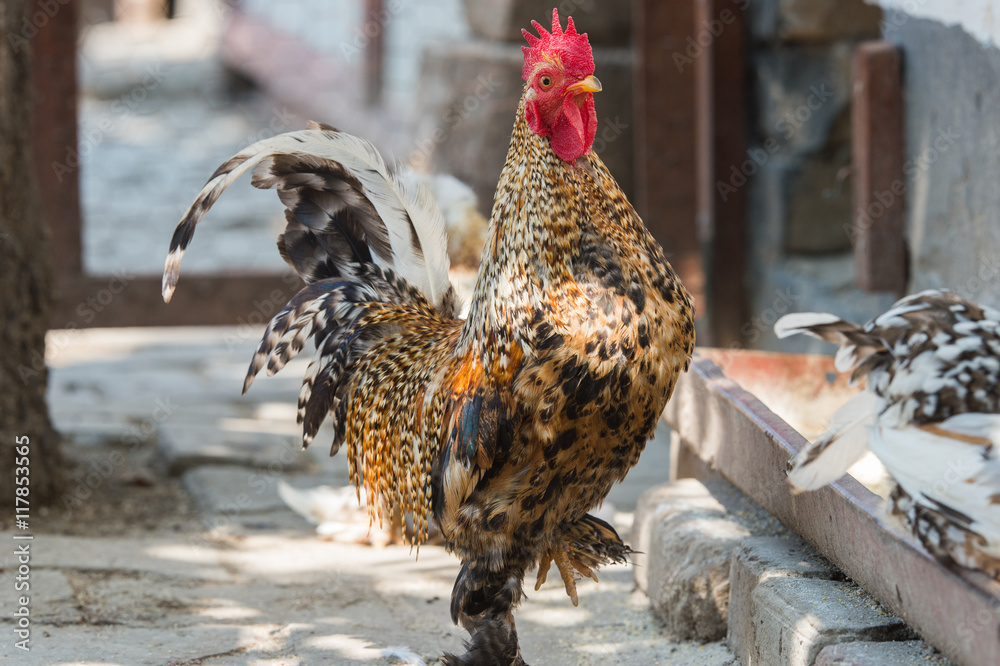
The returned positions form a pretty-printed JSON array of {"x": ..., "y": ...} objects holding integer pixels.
[{"x": 574, "y": 130}]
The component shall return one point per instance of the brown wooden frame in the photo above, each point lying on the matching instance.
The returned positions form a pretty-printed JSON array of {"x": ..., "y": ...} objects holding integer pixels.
[
  {"x": 691, "y": 129},
  {"x": 879, "y": 182},
  {"x": 84, "y": 300}
]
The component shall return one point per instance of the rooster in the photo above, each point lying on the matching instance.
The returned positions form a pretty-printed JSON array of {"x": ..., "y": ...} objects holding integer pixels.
[
  {"x": 930, "y": 413},
  {"x": 508, "y": 426}
]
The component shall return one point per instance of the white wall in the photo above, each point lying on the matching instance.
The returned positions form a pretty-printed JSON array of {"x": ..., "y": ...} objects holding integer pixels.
[
  {"x": 979, "y": 18},
  {"x": 415, "y": 24}
]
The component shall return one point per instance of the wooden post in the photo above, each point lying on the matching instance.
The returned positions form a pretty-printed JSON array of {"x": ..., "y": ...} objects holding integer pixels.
[
  {"x": 141, "y": 11},
  {"x": 879, "y": 183},
  {"x": 720, "y": 112},
  {"x": 25, "y": 280},
  {"x": 54, "y": 141},
  {"x": 375, "y": 49},
  {"x": 664, "y": 138}
]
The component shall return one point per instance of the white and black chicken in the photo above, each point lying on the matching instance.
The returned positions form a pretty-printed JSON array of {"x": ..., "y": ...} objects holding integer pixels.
[{"x": 930, "y": 413}]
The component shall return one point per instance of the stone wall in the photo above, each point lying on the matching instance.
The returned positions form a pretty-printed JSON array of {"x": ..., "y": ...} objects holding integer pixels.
[{"x": 799, "y": 198}]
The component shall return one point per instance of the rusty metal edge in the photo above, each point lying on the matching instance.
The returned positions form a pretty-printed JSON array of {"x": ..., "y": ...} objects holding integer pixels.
[{"x": 728, "y": 428}]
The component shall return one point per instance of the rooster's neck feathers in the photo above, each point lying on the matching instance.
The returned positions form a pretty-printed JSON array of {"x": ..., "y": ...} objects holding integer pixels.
[{"x": 535, "y": 229}]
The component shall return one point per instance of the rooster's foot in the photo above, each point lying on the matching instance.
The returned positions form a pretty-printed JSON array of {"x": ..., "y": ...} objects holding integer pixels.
[{"x": 570, "y": 569}]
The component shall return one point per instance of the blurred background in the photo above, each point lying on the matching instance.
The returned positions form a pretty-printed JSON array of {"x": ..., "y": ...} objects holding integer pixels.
[
  {"x": 789, "y": 155},
  {"x": 729, "y": 123}
]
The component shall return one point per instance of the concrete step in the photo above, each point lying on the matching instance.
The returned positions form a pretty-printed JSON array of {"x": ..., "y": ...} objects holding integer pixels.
[
  {"x": 794, "y": 618},
  {"x": 759, "y": 559},
  {"x": 715, "y": 564},
  {"x": 686, "y": 532},
  {"x": 868, "y": 653}
]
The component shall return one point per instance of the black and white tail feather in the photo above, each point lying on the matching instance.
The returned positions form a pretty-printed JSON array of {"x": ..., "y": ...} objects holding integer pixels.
[
  {"x": 930, "y": 413},
  {"x": 355, "y": 234},
  {"x": 340, "y": 194},
  {"x": 846, "y": 439}
]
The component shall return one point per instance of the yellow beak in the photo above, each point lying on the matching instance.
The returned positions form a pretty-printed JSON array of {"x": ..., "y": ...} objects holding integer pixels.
[{"x": 588, "y": 85}]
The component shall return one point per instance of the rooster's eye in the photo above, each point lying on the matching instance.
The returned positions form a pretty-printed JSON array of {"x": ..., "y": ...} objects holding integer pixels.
[{"x": 545, "y": 81}]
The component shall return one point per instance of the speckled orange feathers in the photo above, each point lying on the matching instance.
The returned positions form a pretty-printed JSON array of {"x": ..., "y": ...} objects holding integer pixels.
[{"x": 507, "y": 427}]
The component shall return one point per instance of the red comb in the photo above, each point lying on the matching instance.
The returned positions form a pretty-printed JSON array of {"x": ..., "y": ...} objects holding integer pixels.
[{"x": 572, "y": 49}]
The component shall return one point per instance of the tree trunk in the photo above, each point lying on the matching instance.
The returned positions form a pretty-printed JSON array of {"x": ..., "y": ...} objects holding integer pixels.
[{"x": 25, "y": 279}]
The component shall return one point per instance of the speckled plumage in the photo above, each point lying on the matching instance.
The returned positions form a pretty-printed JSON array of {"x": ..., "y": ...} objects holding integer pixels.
[
  {"x": 506, "y": 427},
  {"x": 576, "y": 333},
  {"x": 930, "y": 412}
]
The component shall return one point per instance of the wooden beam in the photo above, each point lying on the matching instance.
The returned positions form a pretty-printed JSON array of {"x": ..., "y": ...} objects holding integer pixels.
[
  {"x": 664, "y": 139},
  {"x": 120, "y": 300},
  {"x": 956, "y": 611},
  {"x": 878, "y": 154},
  {"x": 720, "y": 112},
  {"x": 141, "y": 11},
  {"x": 217, "y": 300}
]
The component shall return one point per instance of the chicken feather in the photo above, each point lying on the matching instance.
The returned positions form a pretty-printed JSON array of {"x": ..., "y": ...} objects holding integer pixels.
[{"x": 930, "y": 413}]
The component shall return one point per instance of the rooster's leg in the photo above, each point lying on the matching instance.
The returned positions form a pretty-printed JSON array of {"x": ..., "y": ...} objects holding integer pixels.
[
  {"x": 483, "y": 602},
  {"x": 583, "y": 546}
]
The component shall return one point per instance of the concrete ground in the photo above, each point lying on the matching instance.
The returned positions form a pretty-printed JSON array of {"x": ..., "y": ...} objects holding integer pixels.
[{"x": 171, "y": 545}]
